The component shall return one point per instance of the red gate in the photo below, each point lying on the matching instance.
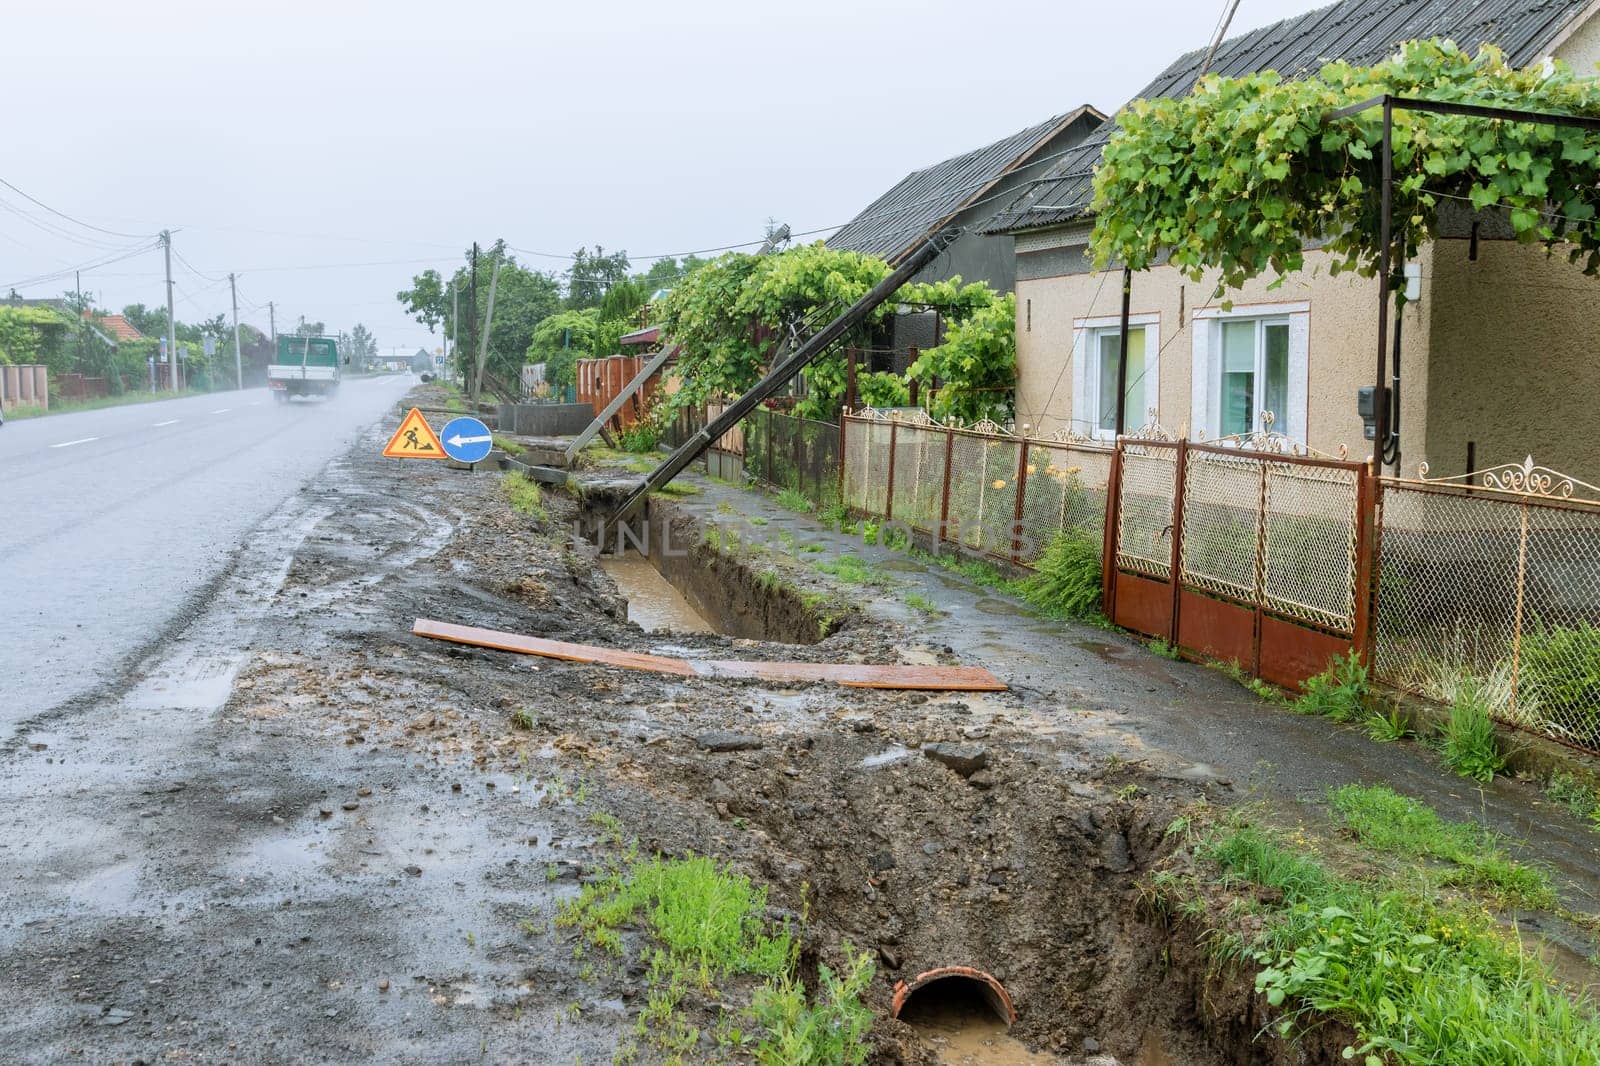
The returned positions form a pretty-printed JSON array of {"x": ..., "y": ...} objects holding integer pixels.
[{"x": 1257, "y": 557}]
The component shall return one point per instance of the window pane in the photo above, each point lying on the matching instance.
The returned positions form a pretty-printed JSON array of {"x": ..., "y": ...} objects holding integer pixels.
[
  {"x": 1109, "y": 347},
  {"x": 1238, "y": 377},
  {"x": 1134, "y": 413},
  {"x": 1276, "y": 388}
]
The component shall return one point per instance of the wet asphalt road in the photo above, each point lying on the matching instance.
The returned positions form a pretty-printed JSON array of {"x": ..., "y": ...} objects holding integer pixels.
[{"x": 117, "y": 520}]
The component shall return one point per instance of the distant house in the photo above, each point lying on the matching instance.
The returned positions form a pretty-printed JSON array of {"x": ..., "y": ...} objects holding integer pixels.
[
  {"x": 1497, "y": 352},
  {"x": 963, "y": 191}
]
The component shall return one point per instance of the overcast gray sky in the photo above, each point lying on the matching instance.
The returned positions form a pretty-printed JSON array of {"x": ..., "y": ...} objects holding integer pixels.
[{"x": 327, "y": 151}]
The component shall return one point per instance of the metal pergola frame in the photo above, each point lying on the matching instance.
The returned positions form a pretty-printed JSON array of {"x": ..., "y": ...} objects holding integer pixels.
[{"x": 1390, "y": 104}]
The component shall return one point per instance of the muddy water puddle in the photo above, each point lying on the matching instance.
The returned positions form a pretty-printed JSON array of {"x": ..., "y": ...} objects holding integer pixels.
[{"x": 654, "y": 605}]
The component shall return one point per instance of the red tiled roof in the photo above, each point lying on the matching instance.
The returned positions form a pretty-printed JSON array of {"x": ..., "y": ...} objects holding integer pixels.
[{"x": 116, "y": 325}]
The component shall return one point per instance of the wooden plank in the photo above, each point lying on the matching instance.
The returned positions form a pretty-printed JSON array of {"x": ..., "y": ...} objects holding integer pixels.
[
  {"x": 856, "y": 675},
  {"x": 550, "y": 649}
]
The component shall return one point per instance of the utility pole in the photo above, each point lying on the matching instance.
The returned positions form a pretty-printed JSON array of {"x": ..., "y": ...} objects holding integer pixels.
[
  {"x": 454, "y": 347},
  {"x": 272, "y": 321},
  {"x": 488, "y": 323},
  {"x": 172, "y": 321},
  {"x": 472, "y": 336},
  {"x": 238, "y": 359}
]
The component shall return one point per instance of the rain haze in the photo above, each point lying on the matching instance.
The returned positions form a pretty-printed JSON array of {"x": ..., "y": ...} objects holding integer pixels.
[{"x": 327, "y": 152}]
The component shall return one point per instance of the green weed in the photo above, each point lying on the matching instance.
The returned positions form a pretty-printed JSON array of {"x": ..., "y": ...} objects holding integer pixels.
[
  {"x": 830, "y": 1031},
  {"x": 921, "y": 603},
  {"x": 1387, "y": 821},
  {"x": 1066, "y": 579},
  {"x": 1419, "y": 981},
  {"x": 1389, "y": 725},
  {"x": 521, "y": 719},
  {"x": 1561, "y": 670},
  {"x": 1170, "y": 651},
  {"x": 1469, "y": 743},
  {"x": 1339, "y": 692},
  {"x": 523, "y": 495},
  {"x": 640, "y": 437},
  {"x": 507, "y": 445},
  {"x": 793, "y": 500},
  {"x": 853, "y": 570}
]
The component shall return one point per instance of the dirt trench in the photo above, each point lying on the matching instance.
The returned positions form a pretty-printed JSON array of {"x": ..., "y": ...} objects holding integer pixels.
[{"x": 939, "y": 830}]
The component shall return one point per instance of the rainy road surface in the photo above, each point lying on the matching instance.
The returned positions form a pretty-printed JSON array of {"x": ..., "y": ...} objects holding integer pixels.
[{"x": 116, "y": 520}]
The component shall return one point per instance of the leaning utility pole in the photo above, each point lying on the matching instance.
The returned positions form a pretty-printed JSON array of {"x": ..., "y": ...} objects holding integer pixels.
[
  {"x": 488, "y": 324},
  {"x": 238, "y": 359},
  {"x": 172, "y": 321},
  {"x": 472, "y": 296}
]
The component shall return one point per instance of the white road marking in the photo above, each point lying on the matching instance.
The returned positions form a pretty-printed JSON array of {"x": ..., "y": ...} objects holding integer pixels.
[
  {"x": 70, "y": 443},
  {"x": 222, "y": 410},
  {"x": 168, "y": 422}
]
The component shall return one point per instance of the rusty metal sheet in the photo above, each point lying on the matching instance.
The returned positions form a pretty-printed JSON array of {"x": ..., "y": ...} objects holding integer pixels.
[
  {"x": 1217, "y": 629},
  {"x": 1144, "y": 605},
  {"x": 856, "y": 675},
  {"x": 1290, "y": 653}
]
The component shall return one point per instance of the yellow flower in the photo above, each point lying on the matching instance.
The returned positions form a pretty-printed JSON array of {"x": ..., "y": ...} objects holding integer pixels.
[
  {"x": 999, "y": 483},
  {"x": 1074, "y": 469},
  {"x": 1030, "y": 468}
]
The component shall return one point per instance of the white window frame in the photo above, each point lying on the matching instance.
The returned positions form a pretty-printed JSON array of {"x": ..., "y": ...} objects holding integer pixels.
[
  {"x": 1206, "y": 366},
  {"x": 1086, "y": 333}
]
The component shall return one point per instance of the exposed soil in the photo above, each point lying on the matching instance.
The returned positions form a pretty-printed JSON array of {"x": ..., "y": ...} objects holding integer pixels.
[{"x": 306, "y": 834}]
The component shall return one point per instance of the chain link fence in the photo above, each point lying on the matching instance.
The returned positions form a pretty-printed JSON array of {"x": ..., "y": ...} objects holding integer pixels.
[
  {"x": 789, "y": 452},
  {"x": 983, "y": 488},
  {"x": 1493, "y": 594}
]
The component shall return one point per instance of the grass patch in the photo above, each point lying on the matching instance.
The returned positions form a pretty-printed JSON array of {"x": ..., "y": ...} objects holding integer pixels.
[
  {"x": 1468, "y": 742},
  {"x": 66, "y": 407},
  {"x": 640, "y": 437},
  {"x": 509, "y": 446},
  {"x": 523, "y": 495},
  {"x": 1420, "y": 981},
  {"x": 1066, "y": 579},
  {"x": 921, "y": 603},
  {"x": 1388, "y": 726},
  {"x": 794, "y": 500},
  {"x": 1387, "y": 821},
  {"x": 708, "y": 928},
  {"x": 678, "y": 488},
  {"x": 853, "y": 570},
  {"x": 1580, "y": 799}
]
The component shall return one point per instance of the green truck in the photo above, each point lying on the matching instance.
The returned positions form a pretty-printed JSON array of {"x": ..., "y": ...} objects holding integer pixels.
[{"x": 305, "y": 366}]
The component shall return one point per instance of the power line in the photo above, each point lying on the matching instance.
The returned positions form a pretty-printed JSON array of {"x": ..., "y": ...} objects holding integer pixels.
[
  {"x": 42, "y": 279},
  {"x": 69, "y": 218}
]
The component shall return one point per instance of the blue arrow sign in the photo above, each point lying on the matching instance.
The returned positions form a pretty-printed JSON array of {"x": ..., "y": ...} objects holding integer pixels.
[{"x": 466, "y": 440}]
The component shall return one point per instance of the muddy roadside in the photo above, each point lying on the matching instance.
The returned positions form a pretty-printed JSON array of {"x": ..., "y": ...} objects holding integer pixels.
[{"x": 302, "y": 834}]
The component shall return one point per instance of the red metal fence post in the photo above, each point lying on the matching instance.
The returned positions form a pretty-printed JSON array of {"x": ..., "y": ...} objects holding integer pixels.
[
  {"x": 888, "y": 495},
  {"x": 844, "y": 455},
  {"x": 1016, "y": 517},
  {"x": 1108, "y": 552},
  {"x": 1368, "y": 531},
  {"x": 1179, "y": 475},
  {"x": 944, "y": 493}
]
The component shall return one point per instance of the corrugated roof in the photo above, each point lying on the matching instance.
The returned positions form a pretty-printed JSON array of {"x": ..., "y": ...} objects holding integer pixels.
[
  {"x": 891, "y": 225},
  {"x": 1361, "y": 32}
]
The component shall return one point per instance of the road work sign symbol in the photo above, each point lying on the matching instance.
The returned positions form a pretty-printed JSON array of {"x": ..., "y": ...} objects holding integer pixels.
[
  {"x": 414, "y": 439},
  {"x": 467, "y": 440}
]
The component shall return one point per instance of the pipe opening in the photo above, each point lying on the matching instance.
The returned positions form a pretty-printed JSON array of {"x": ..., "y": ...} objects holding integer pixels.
[{"x": 953, "y": 995}]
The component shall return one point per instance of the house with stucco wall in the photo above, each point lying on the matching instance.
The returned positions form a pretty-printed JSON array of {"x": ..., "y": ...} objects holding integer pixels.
[{"x": 1497, "y": 351}]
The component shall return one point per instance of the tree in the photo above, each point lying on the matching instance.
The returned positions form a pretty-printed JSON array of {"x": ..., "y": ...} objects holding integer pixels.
[
  {"x": 560, "y": 341},
  {"x": 309, "y": 329},
  {"x": 151, "y": 321},
  {"x": 363, "y": 347},
  {"x": 427, "y": 300},
  {"x": 522, "y": 300},
  {"x": 592, "y": 274},
  {"x": 976, "y": 366}
]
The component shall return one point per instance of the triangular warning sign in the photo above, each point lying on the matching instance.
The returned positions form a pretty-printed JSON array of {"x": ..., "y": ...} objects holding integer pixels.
[{"x": 415, "y": 439}]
